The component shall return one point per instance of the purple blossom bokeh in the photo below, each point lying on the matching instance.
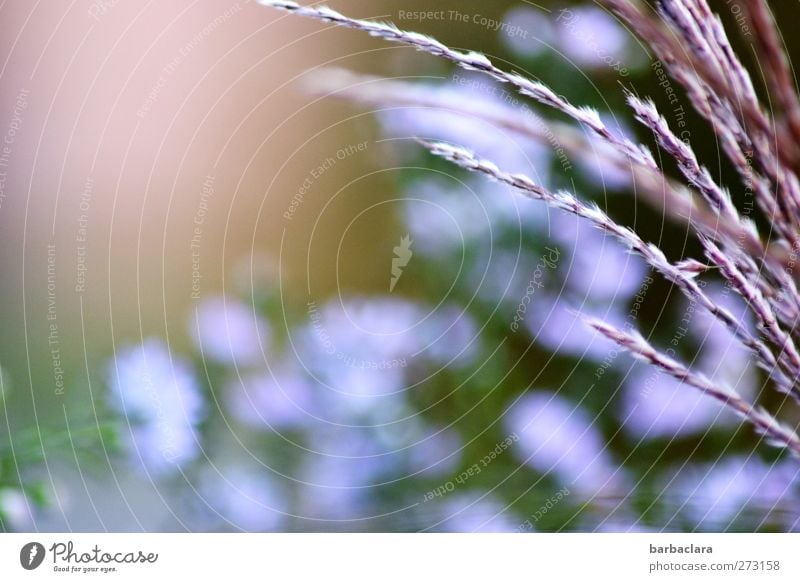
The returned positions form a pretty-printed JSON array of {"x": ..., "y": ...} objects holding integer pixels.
[{"x": 158, "y": 397}]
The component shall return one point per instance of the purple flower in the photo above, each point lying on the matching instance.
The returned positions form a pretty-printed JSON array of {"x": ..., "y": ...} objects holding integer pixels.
[
  {"x": 229, "y": 332},
  {"x": 591, "y": 37},
  {"x": 718, "y": 493},
  {"x": 444, "y": 216},
  {"x": 472, "y": 513},
  {"x": 609, "y": 177},
  {"x": 557, "y": 436},
  {"x": 535, "y": 31},
  {"x": 722, "y": 356},
  {"x": 340, "y": 476},
  {"x": 450, "y": 337},
  {"x": 367, "y": 330},
  {"x": 279, "y": 399},
  {"x": 499, "y": 275},
  {"x": 245, "y": 499},
  {"x": 15, "y": 510},
  {"x": 159, "y": 397},
  {"x": 600, "y": 269},
  {"x": 362, "y": 395},
  {"x": 555, "y": 325},
  {"x": 656, "y": 405},
  {"x": 508, "y": 150},
  {"x": 358, "y": 352}
]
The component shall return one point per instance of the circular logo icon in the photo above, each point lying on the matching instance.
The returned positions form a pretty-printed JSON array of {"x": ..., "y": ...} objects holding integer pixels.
[{"x": 31, "y": 555}]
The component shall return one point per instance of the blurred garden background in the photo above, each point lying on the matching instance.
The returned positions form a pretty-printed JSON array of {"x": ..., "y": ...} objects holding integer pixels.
[{"x": 232, "y": 304}]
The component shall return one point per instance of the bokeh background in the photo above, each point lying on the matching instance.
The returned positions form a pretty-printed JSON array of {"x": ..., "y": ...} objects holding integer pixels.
[{"x": 205, "y": 327}]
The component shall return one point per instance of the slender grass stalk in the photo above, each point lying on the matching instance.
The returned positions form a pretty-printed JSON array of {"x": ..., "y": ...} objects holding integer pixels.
[
  {"x": 779, "y": 76},
  {"x": 776, "y": 434},
  {"x": 696, "y": 51}
]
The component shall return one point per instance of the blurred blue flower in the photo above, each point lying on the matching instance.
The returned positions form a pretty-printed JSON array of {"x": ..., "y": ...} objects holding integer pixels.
[
  {"x": 158, "y": 396},
  {"x": 476, "y": 513},
  {"x": 364, "y": 331},
  {"x": 598, "y": 267},
  {"x": 717, "y": 493},
  {"x": 555, "y": 325},
  {"x": 278, "y": 399},
  {"x": 444, "y": 216},
  {"x": 501, "y": 275},
  {"x": 591, "y": 37},
  {"x": 353, "y": 395},
  {"x": 229, "y": 332},
  {"x": 536, "y": 31},
  {"x": 513, "y": 154},
  {"x": 341, "y": 474},
  {"x": 426, "y": 451},
  {"x": 248, "y": 500},
  {"x": 656, "y": 405},
  {"x": 610, "y": 178},
  {"x": 15, "y": 509},
  {"x": 450, "y": 337},
  {"x": 557, "y": 436},
  {"x": 447, "y": 218},
  {"x": 358, "y": 352},
  {"x": 722, "y": 356}
]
